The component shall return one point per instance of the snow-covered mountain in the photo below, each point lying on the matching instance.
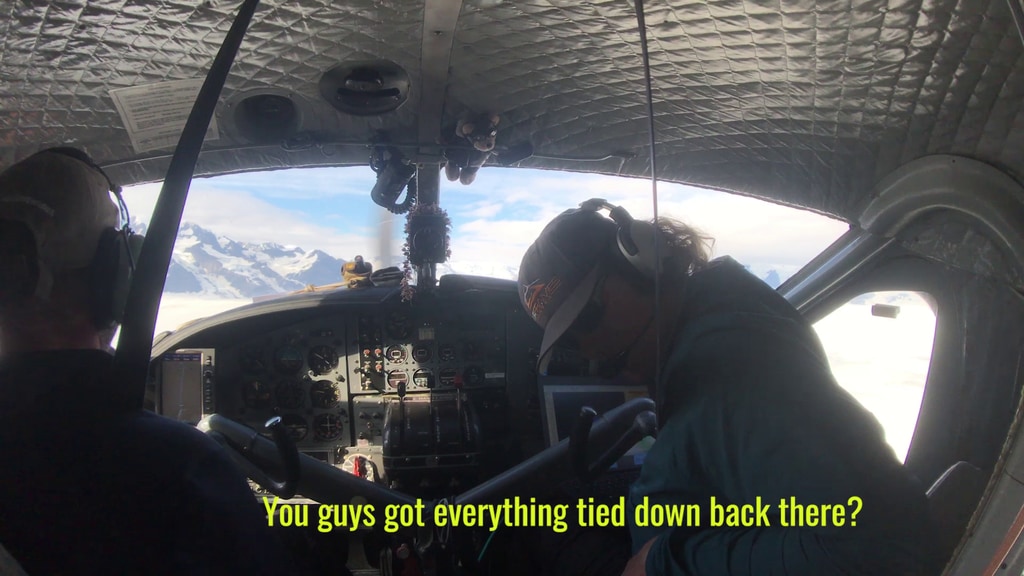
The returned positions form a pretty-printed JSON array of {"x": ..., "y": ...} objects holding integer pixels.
[
  {"x": 212, "y": 265},
  {"x": 208, "y": 264}
]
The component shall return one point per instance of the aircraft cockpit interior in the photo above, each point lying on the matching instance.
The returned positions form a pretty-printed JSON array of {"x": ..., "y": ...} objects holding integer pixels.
[
  {"x": 431, "y": 399},
  {"x": 398, "y": 422}
]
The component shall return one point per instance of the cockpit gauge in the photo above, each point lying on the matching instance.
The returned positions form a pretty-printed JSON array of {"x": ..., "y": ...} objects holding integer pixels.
[
  {"x": 324, "y": 394},
  {"x": 447, "y": 377},
  {"x": 446, "y": 353},
  {"x": 257, "y": 394},
  {"x": 421, "y": 353},
  {"x": 322, "y": 359},
  {"x": 423, "y": 378},
  {"x": 296, "y": 426},
  {"x": 398, "y": 325},
  {"x": 327, "y": 426},
  {"x": 289, "y": 395},
  {"x": 474, "y": 376},
  {"x": 397, "y": 378},
  {"x": 395, "y": 353},
  {"x": 288, "y": 360},
  {"x": 252, "y": 360}
]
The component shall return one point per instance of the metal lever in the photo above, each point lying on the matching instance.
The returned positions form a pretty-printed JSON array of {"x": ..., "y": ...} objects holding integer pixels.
[
  {"x": 286, "y": 450},
  {"x": 644, "y": 424}
]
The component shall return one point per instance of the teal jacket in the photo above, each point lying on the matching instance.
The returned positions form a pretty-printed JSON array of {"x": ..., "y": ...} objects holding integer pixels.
[{"x": 751, "y": 415}]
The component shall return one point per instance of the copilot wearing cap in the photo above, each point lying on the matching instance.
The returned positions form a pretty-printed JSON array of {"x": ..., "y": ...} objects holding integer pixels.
[
  {"x": 92, "y": 484},
  {"x": 747, "y": 405}
]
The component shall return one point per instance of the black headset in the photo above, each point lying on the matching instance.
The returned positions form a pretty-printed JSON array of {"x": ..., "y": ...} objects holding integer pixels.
[
  {"x": 634, "y": 239},
  {"x": 113, "y": 264}
]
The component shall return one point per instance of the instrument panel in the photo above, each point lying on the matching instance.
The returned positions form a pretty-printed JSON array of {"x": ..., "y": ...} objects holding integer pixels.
[{"x": 424, "y": 397}]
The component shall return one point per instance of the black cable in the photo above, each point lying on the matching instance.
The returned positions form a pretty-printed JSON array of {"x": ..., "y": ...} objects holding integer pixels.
[
  {"x": 642, "y": 25},
  {"x": 1018, "y": 16}
]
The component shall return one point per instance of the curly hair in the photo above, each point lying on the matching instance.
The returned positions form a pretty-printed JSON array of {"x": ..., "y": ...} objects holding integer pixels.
[{"x": 689, "y": 248}]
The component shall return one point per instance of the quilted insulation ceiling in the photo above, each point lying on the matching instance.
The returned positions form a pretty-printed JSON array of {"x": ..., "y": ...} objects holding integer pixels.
[{"x": 805, "y": 103}]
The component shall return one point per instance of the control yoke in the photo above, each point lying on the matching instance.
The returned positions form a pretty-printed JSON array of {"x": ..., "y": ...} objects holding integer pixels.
[
  {"x": 609, "y": 435},
  {"x": 242, "y": 443}
]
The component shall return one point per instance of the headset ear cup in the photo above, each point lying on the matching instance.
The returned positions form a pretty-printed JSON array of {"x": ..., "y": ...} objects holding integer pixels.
[
  {"x": 111, "y": 278},
  {"x": 637, "y": 244},
  {"x": 20, "y": 269}
]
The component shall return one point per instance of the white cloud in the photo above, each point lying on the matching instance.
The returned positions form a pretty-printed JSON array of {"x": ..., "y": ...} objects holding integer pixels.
[
  {"x": 179, "y": 309},
  {"x": 244, "y": 217},
  {"x": 299, "y": 183},
  {"x": 755, "y": 232}
]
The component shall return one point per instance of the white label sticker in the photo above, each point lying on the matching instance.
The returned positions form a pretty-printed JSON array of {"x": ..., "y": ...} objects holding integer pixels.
[{"x": 154, "y": 115}]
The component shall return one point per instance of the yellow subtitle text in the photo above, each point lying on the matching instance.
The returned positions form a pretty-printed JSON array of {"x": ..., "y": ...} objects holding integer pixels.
[{"x": 528, "y": 513}]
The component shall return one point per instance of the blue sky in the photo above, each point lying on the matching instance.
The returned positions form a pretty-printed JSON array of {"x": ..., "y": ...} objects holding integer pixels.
[{"x": 493, "y": 220}]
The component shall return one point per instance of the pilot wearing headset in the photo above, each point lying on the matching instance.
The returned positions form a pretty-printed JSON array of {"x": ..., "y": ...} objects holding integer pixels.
[
  {"x": 747, "y": 406},
  {"x": 91, "y": 484}
]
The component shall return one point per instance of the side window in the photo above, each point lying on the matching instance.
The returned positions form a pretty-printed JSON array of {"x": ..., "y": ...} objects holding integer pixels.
[{"x": 879, "y": 346}]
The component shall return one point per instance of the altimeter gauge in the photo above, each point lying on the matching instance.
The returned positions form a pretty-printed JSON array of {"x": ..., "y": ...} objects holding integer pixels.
[{"x": 322, "y": 359}]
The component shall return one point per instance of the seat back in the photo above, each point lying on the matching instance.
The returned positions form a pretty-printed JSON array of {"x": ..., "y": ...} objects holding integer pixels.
[{"x": 952, "y": 500}]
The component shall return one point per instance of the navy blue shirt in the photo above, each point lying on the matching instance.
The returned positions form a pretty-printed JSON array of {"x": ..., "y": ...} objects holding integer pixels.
[
  {"x": 751, "y": 414},
  {"x": 88, "y": 487}
]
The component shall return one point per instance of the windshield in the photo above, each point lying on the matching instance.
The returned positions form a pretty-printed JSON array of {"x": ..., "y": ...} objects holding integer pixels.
[{"x": 249, "y": 236}]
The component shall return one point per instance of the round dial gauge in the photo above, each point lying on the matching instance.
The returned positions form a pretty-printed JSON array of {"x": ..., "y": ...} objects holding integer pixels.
[
  {"x": 327, "y": 426},
  {"x": 256, "y": 394},
  {"x": 296, "y": 426},
  {"x": 397, "y": 378},
  {"x": 395, "y": 353},
  {"x": 324, "y": 394},
  {"x": 447, "y": 377},
  {"x": 473, "y": 376},
  {"x": 287, "y": 360},
  {"x": 423, "y": 378},
  {"x": 446, "y": 353},
  {"x": 421, "y": 353},
  {"x": 322, "y": 359},
  {"x": 251, "y": 360},
  {"x": 289, "y": 395}
]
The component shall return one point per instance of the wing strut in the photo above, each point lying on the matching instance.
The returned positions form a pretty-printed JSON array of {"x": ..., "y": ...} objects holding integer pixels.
[{"x": 131, "y": 361}]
